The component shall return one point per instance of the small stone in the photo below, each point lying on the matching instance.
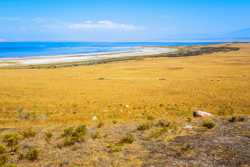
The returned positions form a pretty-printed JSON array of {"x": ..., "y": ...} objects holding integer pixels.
[
  {"x": 201, "y": 114},
  {"x": 188, "y": 127},
  {"x": 94, "y": 118}
]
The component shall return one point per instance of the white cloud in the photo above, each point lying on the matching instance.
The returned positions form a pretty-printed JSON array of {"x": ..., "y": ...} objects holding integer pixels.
[
  {"x": 55, "y": 24},
  {"x": 103, "y": 24}
]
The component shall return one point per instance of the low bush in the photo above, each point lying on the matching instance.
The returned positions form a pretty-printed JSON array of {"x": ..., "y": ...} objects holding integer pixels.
[
  {"x": 48, "y": 136},
  {"x": 236, "y": 119},
  {"x": 2, "y": 149},
  {"x": 208, "y": 124},
  {"x": 3, "y": 159},
  {"x": 129, "y": 139},
  {"x": 32, "y": 154},
  {"x": 143, "y": 126},
  {"x": 95, "y": 135},
  {"x": 12, "y": 141},
  {"x": 157, "y": 132},
  {"x": 100, "y": 124},
  {"x": 28, "y": 133},
  {"x": 72, "y": 135},
  {"x": 162, "y": 123}
]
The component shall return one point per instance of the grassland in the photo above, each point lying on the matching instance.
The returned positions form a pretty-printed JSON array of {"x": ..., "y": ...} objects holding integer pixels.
[{"x": 121, "y": 93}]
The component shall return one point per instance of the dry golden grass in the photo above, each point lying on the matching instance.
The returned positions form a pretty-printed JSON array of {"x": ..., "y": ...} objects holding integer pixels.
[
  {"x": 127, "y": 91},
  {"x": 132, "y": 110}
]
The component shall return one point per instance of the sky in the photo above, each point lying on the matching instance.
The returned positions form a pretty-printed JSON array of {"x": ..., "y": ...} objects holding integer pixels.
[{"x": 121, "y": 20}]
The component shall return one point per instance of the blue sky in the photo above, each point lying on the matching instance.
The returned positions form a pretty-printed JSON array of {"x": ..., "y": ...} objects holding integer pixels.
[{"x": 121, "y": 20}]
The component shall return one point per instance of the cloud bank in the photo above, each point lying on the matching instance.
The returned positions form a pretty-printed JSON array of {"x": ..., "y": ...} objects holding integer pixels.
[
  {"x": 40, "y": 28},
  {"x": 79, "y": 25},
  {"x": 104, "y": 24}
]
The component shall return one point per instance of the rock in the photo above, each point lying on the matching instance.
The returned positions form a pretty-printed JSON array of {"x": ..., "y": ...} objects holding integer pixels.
[
  {"x": 201, "y": 114},
  {"x": 94, "y": 118},
  {"x": 188, "y": 127}
]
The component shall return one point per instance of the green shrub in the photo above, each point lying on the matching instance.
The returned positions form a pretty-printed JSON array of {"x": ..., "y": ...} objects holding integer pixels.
[
  {"x": 12, "y": 140},
  {"x": 163, "y": 123},
  {"x": 80, "y": 130},
  {"x": 24, "y": 115},
  {"x": 48, "y": 136},
  {"x": 129, "y": 139},
  {"x": 114, "y": 148},
  {"x": 68, "y": 141},
  {"x": 28, "y": 133},
  {"x": 68, "y": 132},
  {"x": 3, "y": 159},
  {"x": 143, "y": 126},
  {"x": 95, "y": 135},
  {"x": 100, "y": 124},
  {"x": 2, "y": 149},
  {"x": 32, "y": 154},
  {"x": 236, "y": 119},
  {"x": 72, "y": 135},
  {"x": 189, "y": 119},
  {"x": 208, "y": 124},
  {"x": 157, "y": 132}
]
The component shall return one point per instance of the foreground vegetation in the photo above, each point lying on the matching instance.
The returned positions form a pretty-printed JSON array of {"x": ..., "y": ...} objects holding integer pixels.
[{"x": 131, "y": 113}]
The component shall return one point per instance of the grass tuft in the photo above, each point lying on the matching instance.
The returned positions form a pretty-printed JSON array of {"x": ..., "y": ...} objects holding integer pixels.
[
  {"x": 12, "y": 141},
  {"x": 129, "y": 139},
  {"x": 208, "y": 124},
  {"x": 48, "y": 136},
  {"x": 72, "y": 135},
  {"x": 143, "y": 127},
  {"x": 28, "y": 133},
  {"x": 32, "y": 154},
  {"x": 236, "y": 119}
]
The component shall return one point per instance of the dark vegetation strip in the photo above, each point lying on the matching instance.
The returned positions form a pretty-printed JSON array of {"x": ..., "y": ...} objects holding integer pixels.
[
  {"x": 202, "y": 50},
  {"x": 179, "y": 53}
]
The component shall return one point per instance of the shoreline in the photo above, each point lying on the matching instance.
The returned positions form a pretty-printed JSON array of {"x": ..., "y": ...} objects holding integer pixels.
[
  {"x": 106, "y": 57},
  {"x": 74, "y": 58}
]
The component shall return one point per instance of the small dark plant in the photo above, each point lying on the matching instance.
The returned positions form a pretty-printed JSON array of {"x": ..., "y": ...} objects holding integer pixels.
[
  {"x": 48, "y": 136},
  {"x": 28, "y": 133},
  {"x": 236, "y": 119},
  {"x": 32, "y": 154},
  {"x": 143, "y": 126},
  {"x": 100, "y": 124},
  {"x": 72, "y": 135},
  {"x": 129, "y": 139},
  {"x": 208, "y": 124},
  {"x": 3, "y": 159},
  {"x": 163, "y": 123},
  {"x": 2, "y": 149},
  {"x": 12, "y": 141}
]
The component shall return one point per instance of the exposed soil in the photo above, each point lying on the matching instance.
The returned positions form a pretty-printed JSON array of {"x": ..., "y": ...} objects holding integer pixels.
[{"x": 226, "y": 145}]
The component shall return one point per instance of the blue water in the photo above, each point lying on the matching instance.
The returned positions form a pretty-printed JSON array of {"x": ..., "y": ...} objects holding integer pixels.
[{"x": 27, "y": 49}]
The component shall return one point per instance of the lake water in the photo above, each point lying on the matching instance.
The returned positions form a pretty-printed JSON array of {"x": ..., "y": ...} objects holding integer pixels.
[{"x": 28, "y": 49}]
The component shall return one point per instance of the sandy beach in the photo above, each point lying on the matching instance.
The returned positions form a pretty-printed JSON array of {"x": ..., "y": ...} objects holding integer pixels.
[{"x": 58, "y": 59}]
